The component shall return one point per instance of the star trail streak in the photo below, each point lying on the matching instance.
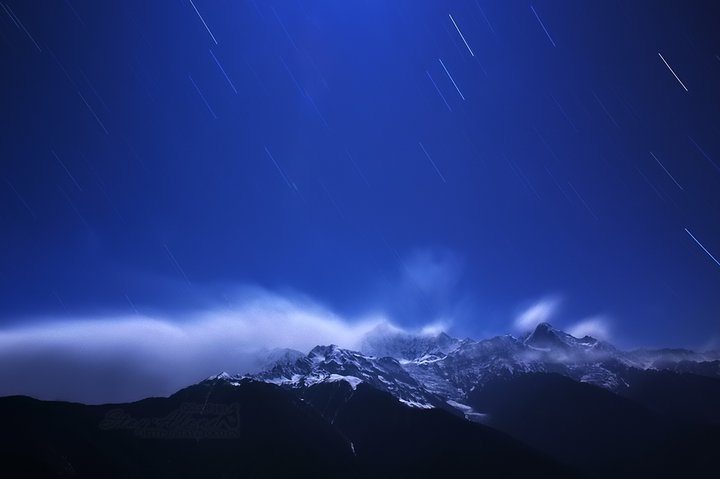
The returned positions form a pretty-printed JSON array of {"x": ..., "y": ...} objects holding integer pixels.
[
  {"x": 280, "y": 170},
  {"x": 672, "y": 71},
  {"x": 66, "y": 170},
  {"x": 451, "y": 79},
  {"x": 223, "y": 72},
  {"x": 602, "y": 105},
  {"x": 75, "y": 13},
  {"x": 461, "y": 35},
  {"x": 203, "y": 21},
  {"x": 197, "y": 89},
  {"x": 285, "y": 30},
  {"x": 582, "y": 200},
  {"x": 427, "y": 155},
  {"x": 665, "y": 170},
  {"x": 492, "y": 30},
  {"x": 20, "y": 198},
  {"x": 177, "y": 265},
  {"x": 543, "y": 26},
  {"x": 92, "y": 111},
  {"x": 20, "y": 25},
  {"x": 703, "y": 247},
  {"x": 442, "y": 97},
  {"x": 705, "y": 155}
]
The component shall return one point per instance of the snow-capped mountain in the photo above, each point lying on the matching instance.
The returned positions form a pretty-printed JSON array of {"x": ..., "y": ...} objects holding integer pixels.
[
  {"x": 437, "y": 370},
  {"x": 331, "y": 363}
]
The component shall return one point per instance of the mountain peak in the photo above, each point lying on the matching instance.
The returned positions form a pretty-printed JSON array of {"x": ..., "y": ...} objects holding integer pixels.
[
  {"x": 324, "y": 352},
  {"x": 544, "y": 326},
  {"x": 324, "y": 348},
  {"x": 387, "y": 340},
  {"x": 545, "y": 336}
]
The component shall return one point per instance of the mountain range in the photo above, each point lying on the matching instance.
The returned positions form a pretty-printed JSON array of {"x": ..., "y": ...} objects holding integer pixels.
[
  {"x": 437, "y": 370},
  {"x": 544, "y": 403}
]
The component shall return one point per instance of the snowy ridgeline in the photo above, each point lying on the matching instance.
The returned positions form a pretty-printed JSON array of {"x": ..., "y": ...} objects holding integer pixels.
[{"x": 428, "y": 371}]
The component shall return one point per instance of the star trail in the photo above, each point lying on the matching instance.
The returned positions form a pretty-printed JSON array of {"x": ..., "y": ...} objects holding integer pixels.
[{"x": 431, "y": 162}]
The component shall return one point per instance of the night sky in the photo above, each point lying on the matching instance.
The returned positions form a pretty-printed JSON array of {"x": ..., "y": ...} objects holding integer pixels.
[{"x": 446, "y": 163}]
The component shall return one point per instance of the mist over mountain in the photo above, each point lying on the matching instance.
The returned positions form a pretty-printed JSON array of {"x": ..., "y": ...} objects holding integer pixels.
[{"x": 406, "y": 405}]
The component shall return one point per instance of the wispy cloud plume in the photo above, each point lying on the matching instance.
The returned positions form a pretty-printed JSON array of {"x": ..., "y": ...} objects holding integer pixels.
[
  {"x": 598, "y": 327},
  {"x": 537, "y": 313}
]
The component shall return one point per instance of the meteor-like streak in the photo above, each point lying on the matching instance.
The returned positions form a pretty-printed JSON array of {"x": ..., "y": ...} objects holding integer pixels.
[
  {"x": 703, "y": 247},
  {"x": 672, "y": 71}
]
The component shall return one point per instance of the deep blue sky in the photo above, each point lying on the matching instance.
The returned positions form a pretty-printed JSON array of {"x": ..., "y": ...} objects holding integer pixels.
[{"x": 135, "y": 175}]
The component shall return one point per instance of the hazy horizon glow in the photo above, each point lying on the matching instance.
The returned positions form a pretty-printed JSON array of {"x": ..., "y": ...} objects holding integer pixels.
[{"x": 120, "y": 358}]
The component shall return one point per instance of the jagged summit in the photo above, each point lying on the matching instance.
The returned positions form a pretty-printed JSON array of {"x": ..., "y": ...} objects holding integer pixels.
[
  {"x": 330, "y": 363},
  {"x": 545, "y": 336},
  {"x": 331, "y": 353}
]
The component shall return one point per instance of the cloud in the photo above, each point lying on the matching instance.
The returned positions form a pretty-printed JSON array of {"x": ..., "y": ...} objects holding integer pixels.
[
  {"x": 539, "y": 312},
  {"x": 427, "y": 288},
  {"x": 597, "y": 327},
  {"x": 433, "y": 329},
  {"x": 433, "y": 272},
  {"x": 121, "y": 358}
]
